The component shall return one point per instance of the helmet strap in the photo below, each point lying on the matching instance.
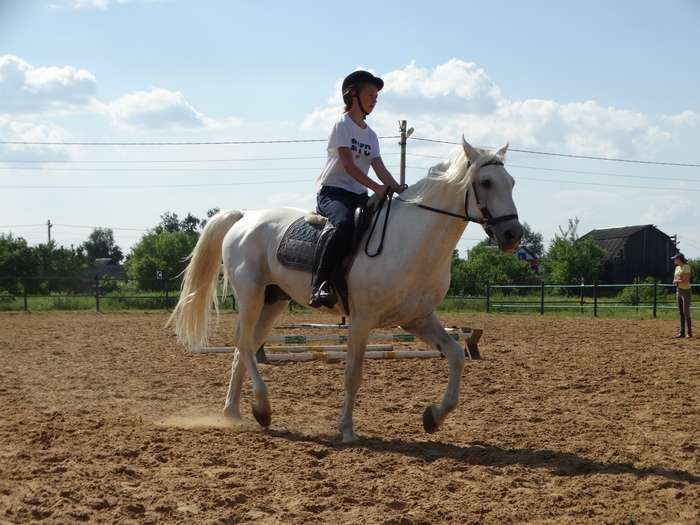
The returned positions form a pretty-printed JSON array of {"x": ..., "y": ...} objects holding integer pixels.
[{"x": 364, "y": 112}]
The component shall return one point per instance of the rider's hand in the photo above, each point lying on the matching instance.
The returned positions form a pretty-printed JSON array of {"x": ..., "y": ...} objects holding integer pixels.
[
  {"x": 381, "y": 190},
  {"x": 400, "y": 188}
]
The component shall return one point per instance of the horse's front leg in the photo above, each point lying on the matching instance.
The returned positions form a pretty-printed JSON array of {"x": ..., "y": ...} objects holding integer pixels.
[
  {"x": 430, "y": 330},
  {"x": 357, "y": 343}
]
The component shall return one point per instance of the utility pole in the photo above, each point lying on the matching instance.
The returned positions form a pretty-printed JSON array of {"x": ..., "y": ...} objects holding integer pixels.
[
  {"x": 404, "y": 135},
  {"x": 48, "y": 227}
]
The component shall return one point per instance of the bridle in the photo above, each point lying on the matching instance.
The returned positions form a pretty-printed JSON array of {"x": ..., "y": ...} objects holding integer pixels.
[{"x": 487, "y": 220}]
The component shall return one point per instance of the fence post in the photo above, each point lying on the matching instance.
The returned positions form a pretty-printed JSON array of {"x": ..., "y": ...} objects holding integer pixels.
[
  {"x": 542, "y": 298},
  {"x": 97, "y": 293},
  {"x": 581, "y": 294},
  {"x": 595, "y": 299},
  {"x": 488, "y": 297},
  {"x": 655, "y": 292},
  {"x": 26, "y": 302},
  {"x": 166, "y": 285}
]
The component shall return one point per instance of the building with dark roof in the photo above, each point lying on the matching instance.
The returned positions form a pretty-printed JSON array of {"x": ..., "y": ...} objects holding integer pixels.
[
  {"x": 104, "y": 267},
  {"x": 634, "y": 252}
]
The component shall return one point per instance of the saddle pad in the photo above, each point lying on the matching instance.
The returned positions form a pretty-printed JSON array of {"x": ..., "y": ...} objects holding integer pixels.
[{"x": 298, "y": 245}]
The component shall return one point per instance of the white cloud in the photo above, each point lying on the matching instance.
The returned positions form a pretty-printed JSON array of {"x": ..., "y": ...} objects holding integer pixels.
[
  {"x": 458, "y": 97},
  {"x": 667, "y": 208},
  {"x": 157, "y": 108},
  {"x": 19, "y": 131},
  {"x": 685, "y": 118},
  {"x": 28, "y": 89},
  {"x": 86, "y": 4},
  {"x": 455, "y": 86}
]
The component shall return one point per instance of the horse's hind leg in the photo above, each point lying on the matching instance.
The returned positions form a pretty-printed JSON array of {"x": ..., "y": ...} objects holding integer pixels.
[
  {"x": 250, "y": 308},
  {"x": 269, "y": 313},
  {"x": 430, "y": 330}
]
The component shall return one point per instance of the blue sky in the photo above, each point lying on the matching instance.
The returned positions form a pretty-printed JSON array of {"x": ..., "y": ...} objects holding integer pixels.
[{"x": 595, "y": 78}]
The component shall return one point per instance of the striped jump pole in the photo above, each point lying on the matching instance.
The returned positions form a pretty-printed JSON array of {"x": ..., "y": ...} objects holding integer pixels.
[
  {"x": 297, "y": 347},
  {"x": 335, "y": 357},
  {"x": 294, "y": 349}
]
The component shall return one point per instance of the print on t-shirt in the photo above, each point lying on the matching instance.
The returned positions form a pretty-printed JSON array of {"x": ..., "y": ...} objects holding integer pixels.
[{"x": 359, "y": 148}]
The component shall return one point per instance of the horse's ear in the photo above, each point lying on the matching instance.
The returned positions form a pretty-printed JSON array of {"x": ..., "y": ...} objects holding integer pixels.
[
  {"x": 470, "y": 152},
  {"x": 502, "y": 152}
]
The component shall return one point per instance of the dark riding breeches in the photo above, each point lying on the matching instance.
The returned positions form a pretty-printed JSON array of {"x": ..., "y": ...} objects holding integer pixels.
[{"x": 338, "y": 206}]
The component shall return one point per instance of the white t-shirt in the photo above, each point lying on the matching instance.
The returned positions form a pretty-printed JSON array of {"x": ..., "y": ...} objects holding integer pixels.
[{"x": 363, "y": 144}]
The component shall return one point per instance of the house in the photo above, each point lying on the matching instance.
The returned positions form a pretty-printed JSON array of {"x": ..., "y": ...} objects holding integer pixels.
[
  {"x": 524, "y": 254},
  {"x": 103, "y": 267},
  {"x": 634, "y": 252}
]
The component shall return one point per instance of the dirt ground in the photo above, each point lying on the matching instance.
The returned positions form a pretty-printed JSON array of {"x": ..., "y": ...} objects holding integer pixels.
[{"x": 104, "y": 419}]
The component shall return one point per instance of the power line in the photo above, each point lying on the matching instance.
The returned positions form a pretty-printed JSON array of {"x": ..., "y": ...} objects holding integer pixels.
[
  {"x": 21, "y": 225},
  {"x": 572, "y": 156},
  {"x": 173, "y": 143},
  {"x": 611, "y": 185},
  {"x": 94, "y": 170},
  {"x": 307, "y": 141},
  {"x": 170, "y": 161},
  {"x": 93, "y": 227},
  {"x": 142, "y": 186}
]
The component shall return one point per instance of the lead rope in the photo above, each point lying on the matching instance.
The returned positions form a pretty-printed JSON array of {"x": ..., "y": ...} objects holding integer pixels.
[{"x": 387, "y": 197}]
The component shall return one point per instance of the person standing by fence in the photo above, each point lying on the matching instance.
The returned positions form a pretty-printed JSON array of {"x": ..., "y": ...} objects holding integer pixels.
[{"x": 681, "y": 278}]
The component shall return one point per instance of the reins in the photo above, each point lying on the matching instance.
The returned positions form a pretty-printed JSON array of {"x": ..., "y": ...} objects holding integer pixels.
[
  {"x": 486, "y": 220},
  {"x": 377, "y": 213}
]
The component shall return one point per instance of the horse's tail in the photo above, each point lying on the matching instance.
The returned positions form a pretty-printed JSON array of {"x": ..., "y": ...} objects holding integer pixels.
[{"x": 198, "y": 292}]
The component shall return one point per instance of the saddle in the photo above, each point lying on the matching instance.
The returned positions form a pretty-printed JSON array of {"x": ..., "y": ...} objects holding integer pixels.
[{"x": 305, "y": 240}]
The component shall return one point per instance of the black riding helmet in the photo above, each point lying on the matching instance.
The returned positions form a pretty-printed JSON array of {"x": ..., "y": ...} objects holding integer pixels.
[{"x": 353, "y": 84}]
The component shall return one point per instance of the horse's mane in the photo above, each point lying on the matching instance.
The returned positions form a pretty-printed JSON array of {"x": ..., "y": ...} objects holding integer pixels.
[{"x": 453, "y": 174}]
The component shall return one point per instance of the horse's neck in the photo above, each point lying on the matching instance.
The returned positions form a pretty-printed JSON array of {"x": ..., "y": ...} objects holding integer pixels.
[{"x": 436, "y": 234}]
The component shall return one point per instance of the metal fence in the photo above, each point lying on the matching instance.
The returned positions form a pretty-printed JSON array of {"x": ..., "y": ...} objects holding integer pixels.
[
  {"x": 593, "y": 298},
  {"x": 109, "y": 294}
]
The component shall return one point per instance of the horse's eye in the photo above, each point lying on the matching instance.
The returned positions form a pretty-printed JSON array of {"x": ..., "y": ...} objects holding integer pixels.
[{"x": 486, "y": 184}]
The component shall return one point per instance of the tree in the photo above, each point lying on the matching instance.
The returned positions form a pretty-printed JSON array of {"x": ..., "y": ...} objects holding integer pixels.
[
  {"x": 532, "y": 241},
  {"x": 169, "y": 222},
  {"x": 16, "y": 261},
  {"x": 164, "y": 252},
  {"x": 101, "y": 245},
  {"x": 487, "y": 264},
  {"x": 459, "y": 276},
  {"x": 694, "y": 270},
  {"x": 37, "y": 267},
  {"x": 570, "y": 259}
]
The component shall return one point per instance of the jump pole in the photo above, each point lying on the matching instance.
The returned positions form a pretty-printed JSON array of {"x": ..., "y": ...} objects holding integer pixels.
[
  {"x": 288, "y": 349},
  {"x": 335, "y": 357},
  {"x": 301, "y": 351}
]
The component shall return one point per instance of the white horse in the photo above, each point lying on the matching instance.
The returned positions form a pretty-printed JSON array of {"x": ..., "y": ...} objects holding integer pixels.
[{"x": 402, "y": 286}]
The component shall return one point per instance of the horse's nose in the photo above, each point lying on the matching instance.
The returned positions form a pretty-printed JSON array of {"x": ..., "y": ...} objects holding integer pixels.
[{"x": 514, "y": 234}]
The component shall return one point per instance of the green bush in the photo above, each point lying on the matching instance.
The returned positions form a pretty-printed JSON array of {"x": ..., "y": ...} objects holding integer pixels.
[{"x": 636, "y": 295}]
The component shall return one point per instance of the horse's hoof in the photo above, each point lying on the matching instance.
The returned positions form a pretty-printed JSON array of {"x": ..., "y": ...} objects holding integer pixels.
[
  {"x": 263, "y": 418},
  {"x": 350, "y": 438},
  {"x": 429, "y": 423},
  {"x": 231, "y": 414}
]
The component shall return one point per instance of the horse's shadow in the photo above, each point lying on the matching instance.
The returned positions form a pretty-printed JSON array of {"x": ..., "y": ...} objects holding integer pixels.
[{"x": 485, "y": 454}]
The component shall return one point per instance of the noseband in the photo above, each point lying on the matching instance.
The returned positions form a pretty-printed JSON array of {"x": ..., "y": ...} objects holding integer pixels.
[{"x": 487, "y": 220}]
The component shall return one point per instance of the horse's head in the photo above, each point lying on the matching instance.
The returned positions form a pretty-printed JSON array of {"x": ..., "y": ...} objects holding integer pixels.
[{"x": 490, "y": 196}]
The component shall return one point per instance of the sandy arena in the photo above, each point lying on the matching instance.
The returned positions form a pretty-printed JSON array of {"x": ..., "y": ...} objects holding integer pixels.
[{"x": 104, "y": 419}]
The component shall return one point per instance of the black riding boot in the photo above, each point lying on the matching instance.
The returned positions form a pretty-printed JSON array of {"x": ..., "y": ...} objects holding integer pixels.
[
  {"x": 322, "y": 293},
  {"x": 690, "y": 327}
]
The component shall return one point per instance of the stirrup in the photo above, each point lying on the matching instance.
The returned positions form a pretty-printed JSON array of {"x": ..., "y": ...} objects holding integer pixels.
[{"x": 323, "y": 296}]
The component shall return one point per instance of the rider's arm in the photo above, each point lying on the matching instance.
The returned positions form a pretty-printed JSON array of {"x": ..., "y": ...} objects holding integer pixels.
[
  {"x": 356, "y": 173},
  {"x": 384, "y": 175}
]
